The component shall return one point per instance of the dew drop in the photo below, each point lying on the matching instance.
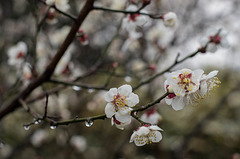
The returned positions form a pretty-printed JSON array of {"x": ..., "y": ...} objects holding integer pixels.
[
  {"x": 90, "y": 90},
  {"x": 89, "y": 123},
  {"x": 76, "y": 88},
  {"x": 53, "y": 127},
  {"x": 37, "y": 121},
  {"x": 26, "y": 127},
  {"x": 128, "y": 79}
]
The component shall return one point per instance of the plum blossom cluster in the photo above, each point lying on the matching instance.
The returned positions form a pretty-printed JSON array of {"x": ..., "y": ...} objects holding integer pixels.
[
  {"x": 189, "y": 87},
  {"x": 60, "y": 4},
  {"x": 213, "y": 39},
  {"x": 120, "y": 102}
]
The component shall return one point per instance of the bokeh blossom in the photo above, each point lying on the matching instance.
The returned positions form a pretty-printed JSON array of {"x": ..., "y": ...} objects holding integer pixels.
[{"x": 17, "y": 54}]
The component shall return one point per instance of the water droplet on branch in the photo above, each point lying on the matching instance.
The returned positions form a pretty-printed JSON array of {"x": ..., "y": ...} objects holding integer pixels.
[
  {"x": 53, "y": 127},
  {"x": 76, "y": 88},
  {"x": 37, "y": 121},
  {"x": 89, "y": 123},
  {"x": 26, "y": 127}
]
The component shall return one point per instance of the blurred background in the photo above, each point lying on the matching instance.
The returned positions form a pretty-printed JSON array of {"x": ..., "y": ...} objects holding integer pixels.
[{"x": 210, "y": 130}]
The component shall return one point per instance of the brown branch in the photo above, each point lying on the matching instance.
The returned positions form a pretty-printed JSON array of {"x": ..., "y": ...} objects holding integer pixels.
[{"x": 14, "y": 104}]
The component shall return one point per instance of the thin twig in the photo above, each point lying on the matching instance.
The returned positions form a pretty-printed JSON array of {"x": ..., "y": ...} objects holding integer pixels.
[{"x": 129, "y": 12}]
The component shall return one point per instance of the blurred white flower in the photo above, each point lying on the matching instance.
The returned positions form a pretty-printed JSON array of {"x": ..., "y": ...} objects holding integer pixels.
[
  {"x": 118, "y": 124},
  {"x": 65, "y": 66},
  {"x": 82, "y": 37},
  {"x": 26, "y": 73},
  {"x": 213, "y": 39},
  {"x": 51, "y": 16},
  {"x": 17, "y": 53},
  {"x": 131, "y": 22},
  {"x": 151, "y": 116},
  {"x": 60, "y": 4},
  {"x": 189, "y": 87},
  {"x": 38, "y": 137},
  {"x": 120, "y": 102},
  {"x": 146, "y": 134},
  {"x": 169, "y": 19},
  {"x": 57, "y": 36},
  {"x": 79, "y": 143}
]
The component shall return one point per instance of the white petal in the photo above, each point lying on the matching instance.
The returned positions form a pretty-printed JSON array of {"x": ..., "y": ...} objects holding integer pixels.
[
  {"x": 125, "y": 90},
  {"x": 155, "y": 127},
  {"x": 109, "y": 110},
  {"x": 132, "y": 100},
  {"x": 169, "y": 101},
  {"x": 178, "y": 91},
  {"x": 177, "y": 103},
  {"x": 203, "y": 88},
  {"x": 212, "y": 47},
  {"x": 109, "y": 96},
  {"x": 198, "y": 73},
  {"x": 132, "y": 137},
  {"x": 143, "y": 130},
  {"x": 155, "y": 136},
  {"x": 140, "y": 140},
  {"x": 212, "y": 74},
  {"x": 122, "y": 118}
]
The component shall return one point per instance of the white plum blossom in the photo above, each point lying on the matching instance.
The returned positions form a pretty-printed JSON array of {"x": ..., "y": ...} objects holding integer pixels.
[
  {"x": 131, "y": 22},
  {"x": 170, "y": 19},
  {"x": 208, "y": 83},
  {"x": 146, "y": 134},
  {"x": 79, "y": 143},
  {"x": 82, "y": 37},
  {"x": 120, "y": 100},
  {"x": 118, "y": 124},
  {"x": 151, "y": 116},
  {"x": 65, "y": 66},
  {"x": 189, "y": 87},
  {"x": 60, "y": 4},
  {"x": 39, "y": 137},
  {"x": 17, "y": 53},
  {"x": 213, "y": 39},
  {"x": 58, "y": 36}
]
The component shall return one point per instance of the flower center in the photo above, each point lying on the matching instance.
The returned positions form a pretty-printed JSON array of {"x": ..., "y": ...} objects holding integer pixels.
[
  {"x": 215, "y": 39},
  {"x": 20, "y": 55},
  {"x": 133, "y": 17},
  {"x": 119, "y": 101},
  {"x": 185, "y": 81}
]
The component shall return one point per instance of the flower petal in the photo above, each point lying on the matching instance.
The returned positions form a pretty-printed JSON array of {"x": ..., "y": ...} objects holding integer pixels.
[
  {"x": 212, "y": 74},
  {"x": 109, "y": 96},
  {"x": 177, "y": 103},
  {"x": 110, "y": 110},
  {"x": 125, "y": 90},
  {"x": 155, "y": 136},
  {"x": 132, "y": 100},
  {"x": 143, "y": 130},
  {"x": 122, "y": 118},
  {"x": 140, "y": 140},
  {"x": 155, "y": 127}
]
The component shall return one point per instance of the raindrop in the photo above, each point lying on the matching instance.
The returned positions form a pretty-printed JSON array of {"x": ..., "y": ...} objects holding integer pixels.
[
  {"x": 53, "y": 127},
  {"x": 88, "y": 123},
  {"x": 128, "y": 79},
  {"x": 26, "y": 127},
  {"x": 37, "y": 121},
  {"x": 90, "y": 90},
  {"x": 76, "y": 88}
]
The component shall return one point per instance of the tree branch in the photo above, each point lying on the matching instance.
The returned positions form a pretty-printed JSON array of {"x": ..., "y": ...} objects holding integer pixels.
[{"x": 14, "y": 104}]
